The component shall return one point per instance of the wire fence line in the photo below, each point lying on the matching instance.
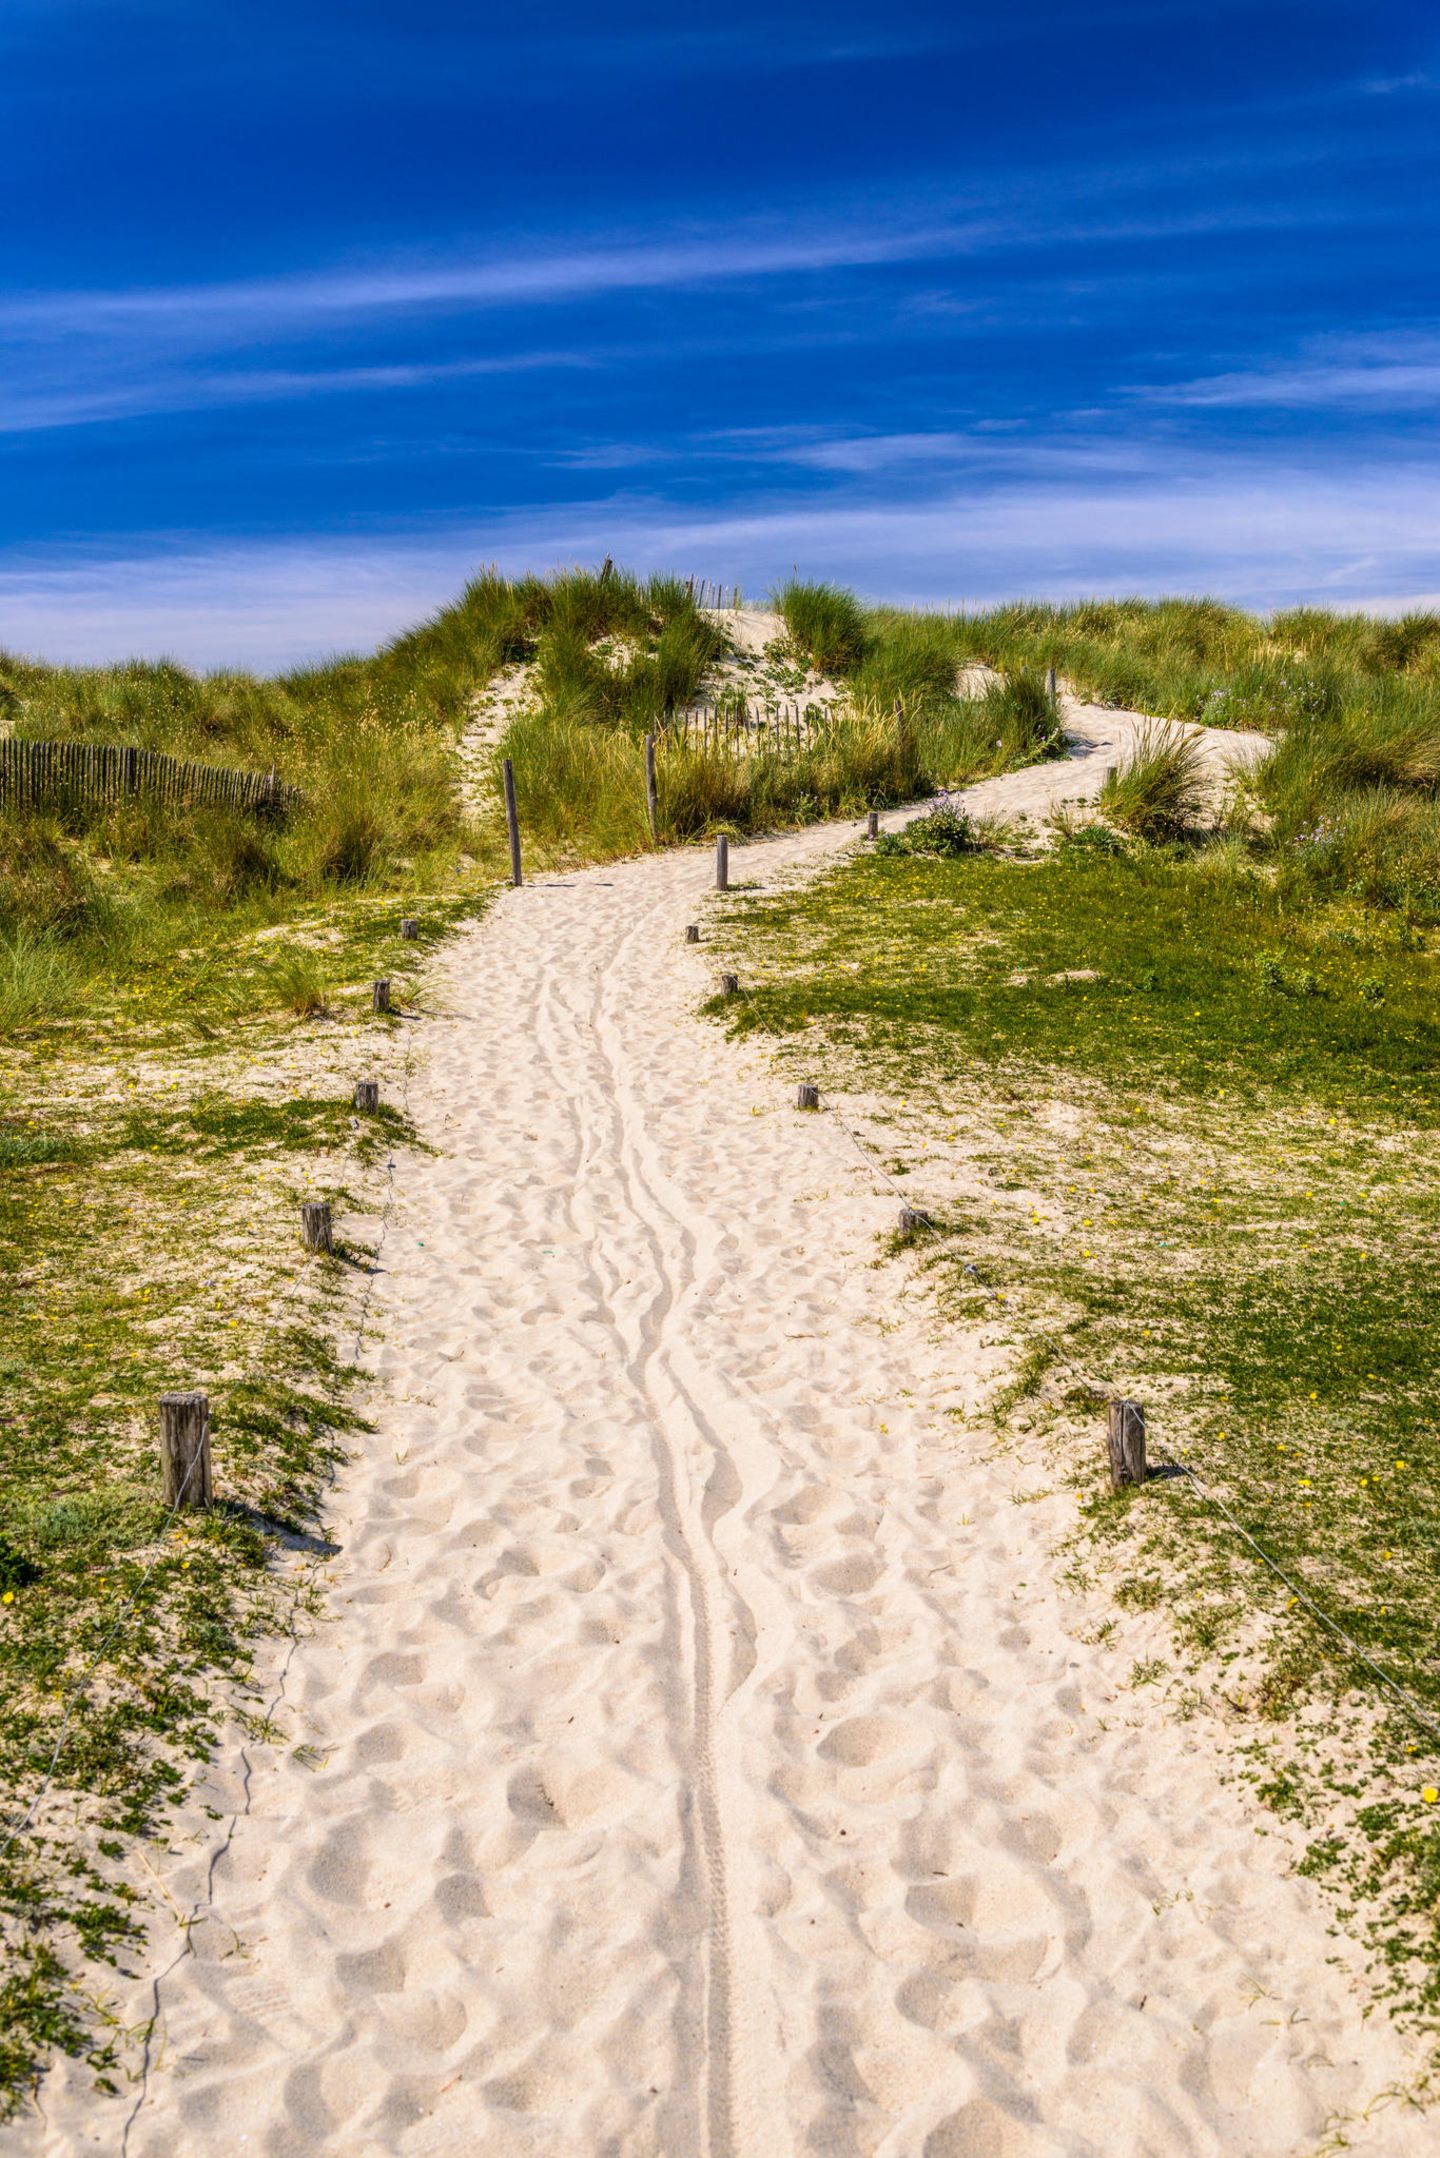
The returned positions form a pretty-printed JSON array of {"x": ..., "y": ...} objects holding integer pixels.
[
  {"x": 130, "y": 1603},
  {"x": 304, "y": 1578},
  {"x": 34, "y": 775},
  {"x": 1418, "y": 1714}
]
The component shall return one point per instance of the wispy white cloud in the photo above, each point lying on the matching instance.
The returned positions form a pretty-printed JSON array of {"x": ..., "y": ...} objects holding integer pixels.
[
  {"x": 1399, "y": 372},
  {"x": 220, "y": 311},
  {"x": 527, "y": 274},
  {"x": 23, "y": 412},
  {"x": 1394, "y": 85},
  {"x": 1259, "y": 530}
]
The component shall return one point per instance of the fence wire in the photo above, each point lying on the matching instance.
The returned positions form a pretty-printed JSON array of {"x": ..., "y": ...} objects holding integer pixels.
[{"x": 1417, "y": 1713}]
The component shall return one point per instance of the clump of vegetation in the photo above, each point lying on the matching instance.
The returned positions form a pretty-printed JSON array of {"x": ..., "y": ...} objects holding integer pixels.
[
  {"x": 578, "y": 748},
  {"x": 1155, "y": 791},
  {"x": 1017, "y": 715},
  {"x": 826, "y": 625},
  {"x": 944, "y": 830}
]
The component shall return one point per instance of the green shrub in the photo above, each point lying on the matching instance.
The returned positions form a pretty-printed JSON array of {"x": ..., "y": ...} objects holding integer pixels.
[{"x": 944, "y": 830}]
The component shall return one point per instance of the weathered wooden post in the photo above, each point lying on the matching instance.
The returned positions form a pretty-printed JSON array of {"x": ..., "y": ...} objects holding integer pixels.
[
  {"x": 807, "y": 1096},
  {"x": 652, "y": 803},
  {"x": 1125, "y": 1443},
  {"x": 409, "y": 928},
  {"x": 380, "y": 996},
  {"x": 692, "y": 933},
  {"x": 729, "y": 985},
  {"x": 872, "y": 825},
  {"x": 1052, "y": 689},
  {"x": 512, "y": 820},
  {"x": 910, "y": 1221},
  {"x": 367, "y": 1095},
  {"x": 316, "y": 1225},
  {"x": 722, "y": 863},
  {"x": 185, "y": 1450}
]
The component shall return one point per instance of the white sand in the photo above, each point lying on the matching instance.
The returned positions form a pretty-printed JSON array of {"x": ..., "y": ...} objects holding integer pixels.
[{"x": 706, "y": 1759}]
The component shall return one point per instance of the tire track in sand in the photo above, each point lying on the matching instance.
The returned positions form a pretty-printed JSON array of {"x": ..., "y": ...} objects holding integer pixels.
[{"x": 699, "y": 1484}]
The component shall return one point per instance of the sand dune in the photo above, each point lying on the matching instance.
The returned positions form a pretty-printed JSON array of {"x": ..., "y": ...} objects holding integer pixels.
[{"x": 704, "y": 1760}]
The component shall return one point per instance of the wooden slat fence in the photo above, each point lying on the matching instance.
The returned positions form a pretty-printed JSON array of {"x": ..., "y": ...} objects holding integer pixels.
[
  {"x": 35, "y": 773},
  {"x": 706, "y": 593},
  {"x": 743, "y": 727}
]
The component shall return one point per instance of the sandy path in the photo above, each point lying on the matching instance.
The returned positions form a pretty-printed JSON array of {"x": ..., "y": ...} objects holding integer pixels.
[
  {"x": 705, "y": 1762},
  {"x": 1101, "y": 735}
]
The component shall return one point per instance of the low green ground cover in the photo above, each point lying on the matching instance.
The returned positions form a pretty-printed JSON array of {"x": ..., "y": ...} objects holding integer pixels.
[
  {"x": 1179, "y": 1135},
  {"x": 155, "y": 1144},
  {"x": 184, "y": 1005}
]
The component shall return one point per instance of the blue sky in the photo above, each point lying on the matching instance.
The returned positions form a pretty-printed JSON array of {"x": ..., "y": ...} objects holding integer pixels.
[{"x": 309, "y": 306}]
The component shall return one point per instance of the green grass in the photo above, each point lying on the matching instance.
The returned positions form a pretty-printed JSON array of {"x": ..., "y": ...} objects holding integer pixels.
[
  {"x": 825, "y": 624},
  {"x": 1187, "y": 972},
  {"x": 580, "y": 768},
  {"x": 184, "y": 1002},
  {"x": 1179, "y": 1128}
]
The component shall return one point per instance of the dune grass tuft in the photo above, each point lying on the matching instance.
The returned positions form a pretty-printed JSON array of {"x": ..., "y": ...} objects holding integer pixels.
[
  {"x": 1155, "y": 792},
  {"x": 826, "y": 625}
]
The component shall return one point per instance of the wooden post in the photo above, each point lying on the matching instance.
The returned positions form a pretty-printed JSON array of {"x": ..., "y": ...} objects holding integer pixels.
[
  {"x": 722, "y": 863},
  {"x": 872, "y": 825},
  {"x": 807, "y": 1096},
  {"x": 512, "y": 821},
  {"x": 409, "y": 928},
  {"x": 316, "y": 1226},
  {"x": 185, "y": 1450},
  {"x": 367, "y": 1095},
  {"x": 1051, "y": 688},
  {"x": 729, "y": 985},
  {"x": 1125, "y": 1443},
  {"x": 651, "y": 799},
  {"x": 910, "y": 1221},
  {"x": 380, "y": 996},
  {"x": 692, "y": 933}
]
